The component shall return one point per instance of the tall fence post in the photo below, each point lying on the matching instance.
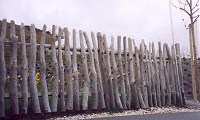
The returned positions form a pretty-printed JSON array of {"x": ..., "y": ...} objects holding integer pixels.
[
  {"x": 94, "y": 74},
  {"x": 13, "y": 83},
  {"x": 32, "y": 63},
  {"x": 45, "y": 97},
  {"x": 2, "y": 69},
  {"x": 54, "y": 100}
]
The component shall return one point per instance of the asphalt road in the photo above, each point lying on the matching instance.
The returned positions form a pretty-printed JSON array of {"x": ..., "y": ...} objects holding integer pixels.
[{"x": 164, "y": 116}]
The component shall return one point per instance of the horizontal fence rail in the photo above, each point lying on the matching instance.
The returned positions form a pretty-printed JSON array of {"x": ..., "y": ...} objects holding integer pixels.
[{"x": 130, "y": 77}]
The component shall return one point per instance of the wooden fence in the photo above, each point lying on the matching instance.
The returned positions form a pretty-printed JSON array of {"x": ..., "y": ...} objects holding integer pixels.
[{"x": 130, "y": 78}]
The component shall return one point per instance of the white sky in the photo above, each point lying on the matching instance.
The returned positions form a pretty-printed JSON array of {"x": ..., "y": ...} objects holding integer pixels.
[{"x": 139, "y": 19}]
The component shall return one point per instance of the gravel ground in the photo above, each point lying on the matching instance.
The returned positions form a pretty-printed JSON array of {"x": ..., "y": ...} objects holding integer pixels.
[{"x": 191, "y": 106}]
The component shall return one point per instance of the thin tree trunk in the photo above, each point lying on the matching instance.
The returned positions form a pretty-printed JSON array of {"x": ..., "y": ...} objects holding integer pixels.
[
  {"x": 2, "y": 69},
  {"x": 109, "y": 75},
  {"x": 99, "y": 78},
  {"x": 94, "y": 74},
  {"x": 75, "y": 71},
  {"x": 54, "y": 100},
  {"x": 69, "y": 104},
  {"x": 127, "y": 75},
  {"x": 115, "y": 73},
  {"x": 32, "y": 62},
  {"x": 61, "y": 71},
  {"x": 86, "y": 75},
  {"x": 45, "y": 99},
  {"x": 122, "y": 84}
]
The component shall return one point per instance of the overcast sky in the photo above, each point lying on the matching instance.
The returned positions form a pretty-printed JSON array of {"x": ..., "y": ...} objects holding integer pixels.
[{"x": 139, "y": 19}]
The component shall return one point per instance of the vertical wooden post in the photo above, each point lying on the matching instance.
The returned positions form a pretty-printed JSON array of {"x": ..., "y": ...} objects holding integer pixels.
[
  {"x": 143, "y": 81},
  {"x": 32, "y": 62},
  {"x": 61, "y": 71},
  {"x": 179, "y": 63},
  {"x": 75, "y": 71},
  {"x": 99, "y": 78},
  {"x": 115, "y": 73},
  {"x": 138, "y": 81},
  {"x": 13, "y": 71},
  {"x": 171, "y": 72},
  {"x": 176, "y": 77},
  {"x": 45, "y": 99},
  {"x": 126, "y": 75},
  {"x": 122, "y": 84},
  {"x": 154, "y": 93},
  {"x": 166, "y": 75},
  {"x": 148, "y": 77},
  {"x": 103, "y": 69},
  {"x": 94, "y": 74},
  {"x": 86, "y": 75},
  {"x": 109, "y": 76},
  {"x": 132, "y": 75},
  {"x": 69, "y": 104},
  {"x": 161, "y": 74},
  {"x": 2, "y": 68},
  {"x": 24, "y": 72},
  {"x": 54, "y": 100},
  {"x": 157, "y": 80}
]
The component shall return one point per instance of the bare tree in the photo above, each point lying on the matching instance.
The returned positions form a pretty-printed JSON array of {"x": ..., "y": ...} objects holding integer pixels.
[{"x": 191, "y": 8}]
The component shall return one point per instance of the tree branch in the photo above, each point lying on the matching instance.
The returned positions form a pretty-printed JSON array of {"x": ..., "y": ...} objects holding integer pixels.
[
  {"x": 195, "y": 11},
  {"x": 185, "y": 11},
  {"x": 196, "y": 5},
  {"x": 196, "y": 19}
]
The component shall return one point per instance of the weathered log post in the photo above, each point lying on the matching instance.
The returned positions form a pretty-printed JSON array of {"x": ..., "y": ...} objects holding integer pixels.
[
  {"x": 127, "y": 75},
  {"x": 75, "y": 71},
  {"x": 154, "y": 93},
  {"x": 45, "y": 97},
  {"x": 99, "y": 78},
  {"x": 2, "y": 69},
  {"x": 148, "y": 77},
  {"x": 142, "y": 69},
  {"x": 161, "y": 74},
  {"x": 176, "y": 77},
  {"x": 94, "y": 74},
  {"x": 24, "y": 72},
  {"x": 13, "y": 82},
  {"x": 179, "y": 63},
  {"x": 103, "y": 69},
  {"x": 171, "y": 74},
  {"x": 86, "y": 85},
  {"x": 61, "y": 71},
  {"x": 166, "y": 75},
  {"x": 138, "y": 79},
  {"x": 32, "y": 80},
  {"x": 54, "y": 100},
  {"x": 132, "y": 75},
  {"x": 69, "y": 104},
  {"x": 109, "y": 76},
  {"x": 115, "y": 73},
  {"x": 122, "y": 84},
  {"x": 156, "y": 74}
]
